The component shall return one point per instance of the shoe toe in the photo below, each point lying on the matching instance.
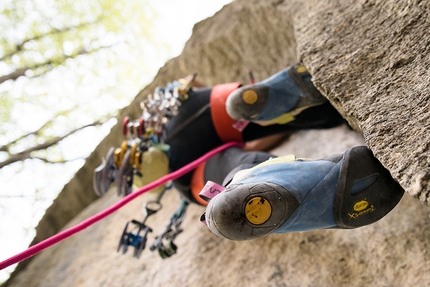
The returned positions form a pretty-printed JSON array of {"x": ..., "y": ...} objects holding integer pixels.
[
  {"x": 247, "y": 102},
  {"x": 248, "y": 211}
]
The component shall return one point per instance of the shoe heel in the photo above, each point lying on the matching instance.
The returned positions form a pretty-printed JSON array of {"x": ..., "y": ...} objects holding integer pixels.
[{"x": 366, "y": 191}]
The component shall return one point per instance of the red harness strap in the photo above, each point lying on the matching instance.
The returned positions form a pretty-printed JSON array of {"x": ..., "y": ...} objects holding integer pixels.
[
  {"x": 223, "y": 123},
  {"x": 197, "y": 183}
]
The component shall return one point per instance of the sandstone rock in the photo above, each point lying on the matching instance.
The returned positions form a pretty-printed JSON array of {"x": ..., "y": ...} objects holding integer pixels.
[{"x": 371, "y": 59}]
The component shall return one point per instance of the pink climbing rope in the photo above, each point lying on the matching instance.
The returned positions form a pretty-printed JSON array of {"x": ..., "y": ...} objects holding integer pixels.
[{"x": 33, "y": 250}]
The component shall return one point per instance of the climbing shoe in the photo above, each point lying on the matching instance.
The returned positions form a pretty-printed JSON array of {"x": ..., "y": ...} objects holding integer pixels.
[
  {"x": 286, "y": 194},
  {"x": 276, "y": 100}
]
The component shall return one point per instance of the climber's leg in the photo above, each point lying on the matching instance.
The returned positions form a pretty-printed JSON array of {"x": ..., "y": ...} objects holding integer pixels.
[{"x": 285, "y": 194}]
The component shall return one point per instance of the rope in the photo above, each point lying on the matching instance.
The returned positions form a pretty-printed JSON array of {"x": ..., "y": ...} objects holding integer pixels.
[{"x": 33, "y": 250}]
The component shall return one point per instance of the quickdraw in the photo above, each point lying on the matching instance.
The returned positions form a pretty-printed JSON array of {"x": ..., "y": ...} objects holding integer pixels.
[
  {"x": 137, "y": 236},
  {"x": 168, "y": 248}
]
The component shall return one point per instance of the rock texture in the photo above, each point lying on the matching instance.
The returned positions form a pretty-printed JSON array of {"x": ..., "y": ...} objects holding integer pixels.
[{"x": 370, "y": 58}]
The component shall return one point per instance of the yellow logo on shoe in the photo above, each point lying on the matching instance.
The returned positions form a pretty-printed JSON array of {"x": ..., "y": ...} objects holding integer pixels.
[
  {"x": 361, "y": 205},
  {"x": 250, "y": 97},
  {"x": 301, "y": 69},
  {"x": 258, "y": 210}
]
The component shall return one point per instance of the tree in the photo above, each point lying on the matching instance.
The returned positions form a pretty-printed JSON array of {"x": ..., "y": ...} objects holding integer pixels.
[{"x": 60, "y": 34}]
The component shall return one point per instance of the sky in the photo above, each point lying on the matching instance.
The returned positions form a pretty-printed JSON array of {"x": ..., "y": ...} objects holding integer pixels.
[{"x": 174, "y": 27}]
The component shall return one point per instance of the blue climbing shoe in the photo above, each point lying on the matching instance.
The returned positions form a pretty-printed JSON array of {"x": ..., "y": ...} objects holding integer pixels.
[
  {"x": 276, "y": 100},
  {"x": 285, "y": 194}
]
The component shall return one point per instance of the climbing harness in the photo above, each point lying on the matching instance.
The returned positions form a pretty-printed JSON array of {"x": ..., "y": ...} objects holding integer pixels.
[{"x": 162, "y": 105}]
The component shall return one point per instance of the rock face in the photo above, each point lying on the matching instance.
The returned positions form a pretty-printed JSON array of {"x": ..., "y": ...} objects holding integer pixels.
[{"x": 370, "y": 58}]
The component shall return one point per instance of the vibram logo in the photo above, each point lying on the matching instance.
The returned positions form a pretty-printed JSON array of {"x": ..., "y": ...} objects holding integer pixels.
[
  {"x": 300, "y": 69},
  {"x": 360, "y": 205}
]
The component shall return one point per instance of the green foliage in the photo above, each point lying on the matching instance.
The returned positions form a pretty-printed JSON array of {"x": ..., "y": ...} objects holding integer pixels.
[
  {"x": 67, "y": 63},
  {"x": 38, "y": 32}
]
